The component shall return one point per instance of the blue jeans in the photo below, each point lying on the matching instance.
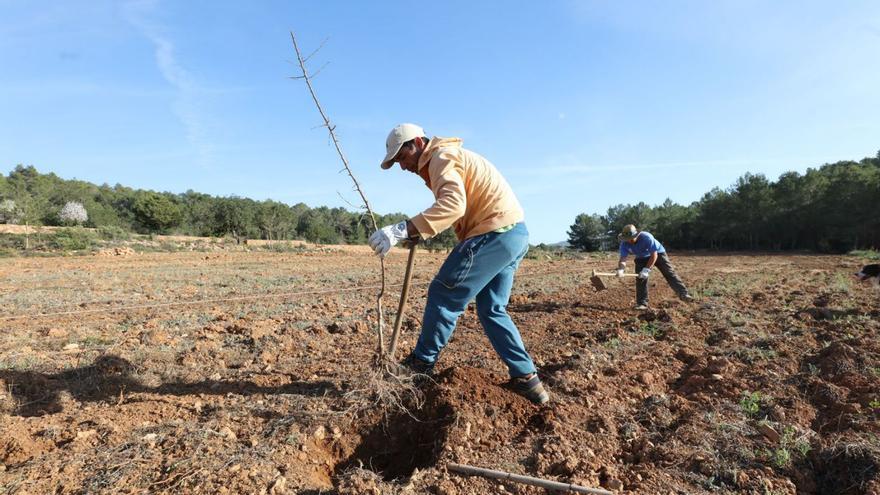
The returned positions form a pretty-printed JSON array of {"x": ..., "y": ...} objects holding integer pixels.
[{"x": 480, "y": 268}]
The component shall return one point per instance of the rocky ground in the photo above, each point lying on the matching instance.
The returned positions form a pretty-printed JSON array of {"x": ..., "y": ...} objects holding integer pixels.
[{"x": 253, "y": 372}]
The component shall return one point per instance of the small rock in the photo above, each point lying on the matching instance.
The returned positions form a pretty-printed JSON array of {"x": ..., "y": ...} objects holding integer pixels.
[
  {"x": 71, "y": 347},
  {"x": 86, "y": 433},
  {"x": 150, "y": 439},
  {"x": 227, "y": 433},
  {"x": 769, "y": 432},
  {"x": 320, "y": 433},
  {"x": 615, "y": 484},
  {"x": 56, "y": 332},
  {"x": 278, "y": 486},
  {"x": 446, "y": 487},
  {"x": 717, "y": 364},
  {"x": 778, "y": 413}
]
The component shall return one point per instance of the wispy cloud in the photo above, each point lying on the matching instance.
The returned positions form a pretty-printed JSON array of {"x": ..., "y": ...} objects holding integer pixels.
[{"x": 186, "y": 105}]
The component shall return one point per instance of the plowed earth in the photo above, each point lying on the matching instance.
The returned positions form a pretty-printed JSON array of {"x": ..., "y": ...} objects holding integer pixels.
[{"x": 177, "y": 373}]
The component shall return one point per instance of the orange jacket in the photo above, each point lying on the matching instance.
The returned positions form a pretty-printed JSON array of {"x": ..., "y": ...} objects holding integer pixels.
[{"x": 469, "y": 192}]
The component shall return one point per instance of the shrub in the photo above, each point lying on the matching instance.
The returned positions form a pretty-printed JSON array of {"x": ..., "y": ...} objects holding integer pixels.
[
  {"x": 113, "y": 233},
  {"x": 73, "y": 239},
  {"x": 869, "y": 254},
  {"x": 12, "y": 242}
]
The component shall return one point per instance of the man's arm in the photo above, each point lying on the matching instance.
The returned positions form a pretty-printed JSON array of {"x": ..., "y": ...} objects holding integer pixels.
[
  {"x": 450, "y": 201},
  {"x": 621, "y": 263},
  {"x": 651, "y": 260}
]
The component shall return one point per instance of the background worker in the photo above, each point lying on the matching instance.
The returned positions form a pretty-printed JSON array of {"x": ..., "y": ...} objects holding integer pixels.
[
  {"x": 648, "y": 253},
  {"x": 471, "y": 195}
]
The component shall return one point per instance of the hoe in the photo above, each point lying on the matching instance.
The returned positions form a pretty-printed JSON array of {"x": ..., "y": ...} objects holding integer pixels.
[
  {"x": 599, "y": 284},
  {"x": 402, "y": 305}
]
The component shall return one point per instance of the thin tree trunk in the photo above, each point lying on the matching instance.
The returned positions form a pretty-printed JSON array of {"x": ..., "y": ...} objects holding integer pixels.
[{"x": 331, "y": 129}]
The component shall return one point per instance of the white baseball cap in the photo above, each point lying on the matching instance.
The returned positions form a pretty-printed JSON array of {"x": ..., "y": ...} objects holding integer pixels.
[{"x": 399, "y": 135}]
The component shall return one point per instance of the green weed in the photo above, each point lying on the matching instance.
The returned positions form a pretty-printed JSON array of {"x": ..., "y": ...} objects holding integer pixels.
[
  {"x": 652, "y": 330},
  {"x": 751, "y": 403},
  {"x": 790, "y": 449},
  {"x": 613, "y": 343},
  {"x": 755, "y": 354},
  {"x": 868, "y": 254},
  {"x": 842, "y": 283}
]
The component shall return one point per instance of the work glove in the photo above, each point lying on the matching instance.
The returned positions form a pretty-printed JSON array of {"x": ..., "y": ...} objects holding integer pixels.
[
  {"x": 621, "y": 267},
  {"x": 385, "y": 238},
  {"x": 644, "y": 273}
]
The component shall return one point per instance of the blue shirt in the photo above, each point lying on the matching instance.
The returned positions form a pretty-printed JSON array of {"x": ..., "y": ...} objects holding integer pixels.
[{"x": 643, "y": 248}]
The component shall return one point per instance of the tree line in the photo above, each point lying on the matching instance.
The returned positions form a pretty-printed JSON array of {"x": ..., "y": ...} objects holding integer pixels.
[
  {"x": 833, "y": 208},
  {"x": 30, "y": 197}
]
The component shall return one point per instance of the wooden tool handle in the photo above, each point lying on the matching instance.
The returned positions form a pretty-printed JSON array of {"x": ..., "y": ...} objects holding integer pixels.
[
  {"x": 602, "y": 274},
  {"x": 402, "y": 305}
]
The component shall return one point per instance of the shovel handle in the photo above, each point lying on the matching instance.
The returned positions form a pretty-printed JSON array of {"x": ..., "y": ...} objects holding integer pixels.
[
  {"x": 602, "y": 274},
  {"x": 402, "y": 305}
]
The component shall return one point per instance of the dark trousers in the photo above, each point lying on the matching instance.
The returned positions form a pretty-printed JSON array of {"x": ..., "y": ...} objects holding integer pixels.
[{"x": 665, "y": 266}]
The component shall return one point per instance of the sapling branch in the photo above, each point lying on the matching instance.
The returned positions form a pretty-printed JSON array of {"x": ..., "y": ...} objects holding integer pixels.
[{"x": 331, "y": 129}]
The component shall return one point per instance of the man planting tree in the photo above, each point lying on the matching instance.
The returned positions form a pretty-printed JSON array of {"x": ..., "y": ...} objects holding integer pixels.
[{"x": 471, "y": 196}]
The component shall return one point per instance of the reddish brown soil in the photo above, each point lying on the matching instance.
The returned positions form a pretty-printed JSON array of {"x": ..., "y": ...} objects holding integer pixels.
[{"x": 769, "y": 383}]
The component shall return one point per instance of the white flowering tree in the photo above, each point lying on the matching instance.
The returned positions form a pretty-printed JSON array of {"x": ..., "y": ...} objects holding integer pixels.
[
  {"x": 9, "y": 212},
  {"x": 74, "y": 213}
]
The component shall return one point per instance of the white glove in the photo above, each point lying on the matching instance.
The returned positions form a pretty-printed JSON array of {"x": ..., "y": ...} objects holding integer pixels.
[
  {"x": 619, "y": 272},
  {"x": 385, "y": 238},
  {"x": 644, "y": 273}
]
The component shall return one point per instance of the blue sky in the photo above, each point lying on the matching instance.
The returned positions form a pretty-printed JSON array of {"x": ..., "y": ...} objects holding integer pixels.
[{"x": 580, "y": 104}]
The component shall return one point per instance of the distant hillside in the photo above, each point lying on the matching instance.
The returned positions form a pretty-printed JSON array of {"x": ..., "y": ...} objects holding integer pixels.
[{"x": 30, "y": 197}]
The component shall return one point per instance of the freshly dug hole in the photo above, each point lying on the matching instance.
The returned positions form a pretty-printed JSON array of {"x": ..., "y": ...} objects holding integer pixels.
[
  {"x": 396, "y": 443},
  {"x": 848, "y": 469}
]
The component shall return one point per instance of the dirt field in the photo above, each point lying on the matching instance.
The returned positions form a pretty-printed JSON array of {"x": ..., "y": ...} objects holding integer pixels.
[{"x": 768, "y": 384}]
